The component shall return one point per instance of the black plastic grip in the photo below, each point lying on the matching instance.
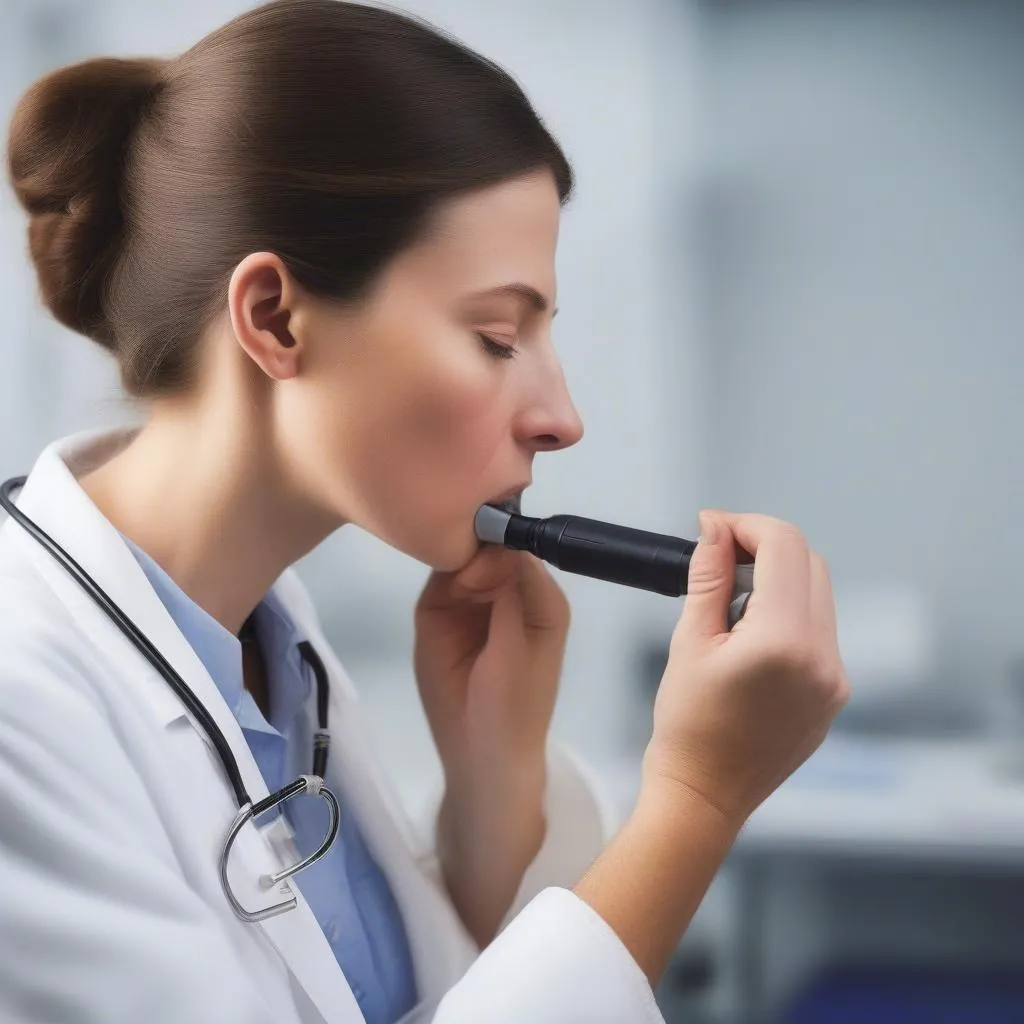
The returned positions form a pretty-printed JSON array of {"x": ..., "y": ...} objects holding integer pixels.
[{"x": 605, "y": 551}]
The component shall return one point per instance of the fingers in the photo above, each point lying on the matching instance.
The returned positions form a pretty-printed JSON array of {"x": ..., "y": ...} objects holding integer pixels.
[
  {"x": 497, "y": 570},
  {"x": 823, "y": 615},
  {"x": 478, "y": 581},
  {"x": 710, "y": 579},
  {"x": 489, "y": 571},
  {"x": 545, "y": 606},
  {"x": 782, "y": 563},
  {"x": 822, "y": 602}
]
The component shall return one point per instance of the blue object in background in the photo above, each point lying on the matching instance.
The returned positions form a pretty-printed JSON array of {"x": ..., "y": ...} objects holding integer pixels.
[{"x": 933, "y": 995}]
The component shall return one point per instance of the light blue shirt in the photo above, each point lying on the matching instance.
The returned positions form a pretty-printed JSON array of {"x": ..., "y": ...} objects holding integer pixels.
[{"x": 346, "y": 890}]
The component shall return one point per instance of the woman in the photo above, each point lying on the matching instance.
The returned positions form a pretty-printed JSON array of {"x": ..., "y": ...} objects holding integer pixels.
[{"x": 321, "y": 246}]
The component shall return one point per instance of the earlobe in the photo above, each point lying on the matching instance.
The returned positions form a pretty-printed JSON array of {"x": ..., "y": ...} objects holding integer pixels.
[{"x": 261, "y": 295}]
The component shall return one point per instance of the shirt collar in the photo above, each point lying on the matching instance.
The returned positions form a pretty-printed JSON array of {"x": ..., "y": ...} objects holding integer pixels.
[
  {"x": 220, "y": 650},
  {"x": 289, "y": 684}
]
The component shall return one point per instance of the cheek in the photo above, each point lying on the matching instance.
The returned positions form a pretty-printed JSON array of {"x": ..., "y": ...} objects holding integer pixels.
[
  {"x": 446, "y": 448},
  {"x": 422, "y": 450},
  {"x": 457, "y": 430}
]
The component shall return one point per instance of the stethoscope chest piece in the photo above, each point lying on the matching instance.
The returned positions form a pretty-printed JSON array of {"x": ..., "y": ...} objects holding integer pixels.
[{"x": 303, "y": 785}]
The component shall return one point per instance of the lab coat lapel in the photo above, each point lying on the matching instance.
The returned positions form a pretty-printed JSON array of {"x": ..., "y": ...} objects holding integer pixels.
[
  {"x": 54, "y": 499},
  {"x": 441, "y": 948}
]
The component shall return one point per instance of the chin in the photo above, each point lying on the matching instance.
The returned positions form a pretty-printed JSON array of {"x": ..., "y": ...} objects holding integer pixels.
[
  {"x": 460, "y": 554},
  {"x": 445, "y": 551}
]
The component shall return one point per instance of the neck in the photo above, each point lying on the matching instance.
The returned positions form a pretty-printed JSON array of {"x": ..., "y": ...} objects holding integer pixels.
[{"x": 201, "y": 491}]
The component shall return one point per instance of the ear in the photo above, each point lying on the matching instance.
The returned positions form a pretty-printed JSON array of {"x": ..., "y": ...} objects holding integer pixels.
[{"x": 262, "y": 298}]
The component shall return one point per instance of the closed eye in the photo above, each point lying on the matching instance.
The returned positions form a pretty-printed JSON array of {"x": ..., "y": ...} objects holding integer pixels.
[{"x": 496, "y": 349}]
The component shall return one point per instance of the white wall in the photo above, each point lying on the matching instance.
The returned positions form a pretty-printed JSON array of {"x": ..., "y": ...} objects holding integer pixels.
[{"x": 863, "y": 242}]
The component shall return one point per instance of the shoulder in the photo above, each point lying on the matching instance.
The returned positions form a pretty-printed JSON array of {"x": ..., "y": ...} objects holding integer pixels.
[
  {"x": 47, "y": 666},
  {"x": 61, "y": 737}
]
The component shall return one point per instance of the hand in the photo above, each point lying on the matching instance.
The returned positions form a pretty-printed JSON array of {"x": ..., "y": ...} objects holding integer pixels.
[
  {"x": 737, "y": 712},
  {"x": 490, "y": 642}
]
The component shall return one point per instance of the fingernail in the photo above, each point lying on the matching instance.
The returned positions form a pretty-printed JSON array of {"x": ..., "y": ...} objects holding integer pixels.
[{"x": 708, "y": 529}]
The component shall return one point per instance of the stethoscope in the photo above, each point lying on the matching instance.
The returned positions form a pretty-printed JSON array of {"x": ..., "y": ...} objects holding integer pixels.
[{"x": 247, "y": 810}]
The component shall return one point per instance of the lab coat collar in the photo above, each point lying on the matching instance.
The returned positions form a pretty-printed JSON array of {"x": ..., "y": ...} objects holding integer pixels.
[
  {"x": 56, "y": 501},
  {"x": 53, "y": 498}
]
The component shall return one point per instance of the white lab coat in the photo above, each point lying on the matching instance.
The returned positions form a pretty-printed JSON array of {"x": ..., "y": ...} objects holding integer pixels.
[{"x": 114, "y": 806}]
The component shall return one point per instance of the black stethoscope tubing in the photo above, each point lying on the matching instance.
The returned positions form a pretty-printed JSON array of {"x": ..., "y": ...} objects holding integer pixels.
[{"x": 143, "y": 644}]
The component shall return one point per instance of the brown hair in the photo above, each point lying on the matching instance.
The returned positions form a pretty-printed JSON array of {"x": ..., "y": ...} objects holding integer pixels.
[{"x": 325, "y": 132}]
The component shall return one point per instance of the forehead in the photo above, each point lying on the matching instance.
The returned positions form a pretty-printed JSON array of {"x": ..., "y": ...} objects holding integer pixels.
[{"x": 505, "y": 232}]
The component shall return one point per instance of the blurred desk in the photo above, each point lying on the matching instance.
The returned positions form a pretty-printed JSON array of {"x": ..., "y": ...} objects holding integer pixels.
[
  {"x": 941, "y": 799},
  {"x": 923, "y": 803}
]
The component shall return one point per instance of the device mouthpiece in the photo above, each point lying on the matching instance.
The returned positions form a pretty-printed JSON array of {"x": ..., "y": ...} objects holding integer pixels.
[{"x": 491, "y": 523}]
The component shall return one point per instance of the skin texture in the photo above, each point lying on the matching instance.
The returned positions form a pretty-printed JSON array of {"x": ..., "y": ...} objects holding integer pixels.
[{"x": 401, "y": 414}]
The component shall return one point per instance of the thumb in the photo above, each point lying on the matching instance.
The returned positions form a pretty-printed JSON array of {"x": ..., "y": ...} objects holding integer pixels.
[{"x": 710, "y": 581}]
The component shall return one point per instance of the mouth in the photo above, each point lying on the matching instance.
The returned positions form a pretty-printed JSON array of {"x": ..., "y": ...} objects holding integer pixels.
[
  {"x": 513, "y": 505},
  {"x": 510, "y": 501}
]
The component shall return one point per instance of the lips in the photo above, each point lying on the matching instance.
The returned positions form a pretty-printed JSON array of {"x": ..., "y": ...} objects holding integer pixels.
[
  {"x": 510, "y": 501},
  {"x": 513, "y": 505}
]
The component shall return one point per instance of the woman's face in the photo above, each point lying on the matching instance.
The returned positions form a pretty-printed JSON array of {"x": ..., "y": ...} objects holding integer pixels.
[{"x": 434, "y": 395}]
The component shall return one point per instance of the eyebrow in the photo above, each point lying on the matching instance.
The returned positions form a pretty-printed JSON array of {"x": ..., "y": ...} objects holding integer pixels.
[{"x": 520, "y": 291}]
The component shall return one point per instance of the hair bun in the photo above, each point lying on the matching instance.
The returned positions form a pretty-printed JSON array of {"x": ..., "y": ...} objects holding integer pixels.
[{"x": 68, "y": 143}]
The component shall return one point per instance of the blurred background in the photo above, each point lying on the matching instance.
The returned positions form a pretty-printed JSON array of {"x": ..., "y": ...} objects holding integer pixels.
[{"x": 791, "y": 281}]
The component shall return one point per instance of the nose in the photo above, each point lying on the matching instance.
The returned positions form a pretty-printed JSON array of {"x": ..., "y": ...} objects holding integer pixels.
[{"x": 551, "y": 422}]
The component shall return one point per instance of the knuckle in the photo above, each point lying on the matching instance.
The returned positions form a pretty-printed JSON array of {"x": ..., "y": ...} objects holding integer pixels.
[
  {"x": 560, "y": 606},
  {"x": 704, "y": 575},
  {"x": 814, "y": 668},
  {"x": 824, "y": 672},
  {"x": 842, "y": 690},
  {"x": 787, "y": 533},
  {"x": 800, "y": 657},
  {"x": 789, "y": 656},
  {"x": 478, "y": 584},
  {"x": 820, "y": 568},
  {"x": 556, "y": 603}
]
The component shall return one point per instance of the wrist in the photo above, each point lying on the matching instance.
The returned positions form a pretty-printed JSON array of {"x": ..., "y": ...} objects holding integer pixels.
[
  {"x": 497, "y": 813},
  {"x": 487, "y": 836},
  {"x": 494, "y": 790},
  {"x": 675, "y": 809},
  {"x": 471, "y": 838},
  {"x": 651, "y": 878},
  {"x": 670, "y": 780}
]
